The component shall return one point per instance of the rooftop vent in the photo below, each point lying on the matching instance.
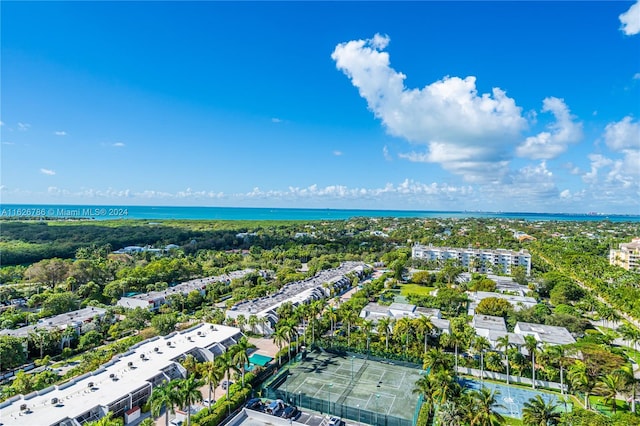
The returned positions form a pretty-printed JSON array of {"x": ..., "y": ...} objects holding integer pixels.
[
  {"x": 90, "y": 385},
  {"x": 23, "y": 407},
  {"x": 130, "y": 364},
  {"x": 156, "y": 349},
  {"x": 141, "y": 356},
  {"x": 54, "y": 401},
  {"x": 168, "y": 342},
  {"x": 199, "y": 332}
]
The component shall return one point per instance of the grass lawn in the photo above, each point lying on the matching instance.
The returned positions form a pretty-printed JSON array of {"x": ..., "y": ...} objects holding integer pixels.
[
  {"x": 512, "y": 422},
  {"x": 597, "y": 403},
  {"x": 420, "y": 290}
]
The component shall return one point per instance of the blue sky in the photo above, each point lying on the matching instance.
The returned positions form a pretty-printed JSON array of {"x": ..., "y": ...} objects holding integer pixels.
[{"x": 510, "y": 106}]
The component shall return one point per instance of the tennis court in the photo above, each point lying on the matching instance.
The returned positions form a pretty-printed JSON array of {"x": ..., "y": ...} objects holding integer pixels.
[{"x": 348, "y": 386}]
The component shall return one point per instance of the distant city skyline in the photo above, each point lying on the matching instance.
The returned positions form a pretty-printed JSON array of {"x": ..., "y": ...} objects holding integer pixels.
[{"x": 439, "y": 106}]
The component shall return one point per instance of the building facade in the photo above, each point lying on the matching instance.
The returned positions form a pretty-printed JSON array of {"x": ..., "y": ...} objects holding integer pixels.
[
  {"x": 627, "y": 255},
  {"x": 481, "y": 260}
]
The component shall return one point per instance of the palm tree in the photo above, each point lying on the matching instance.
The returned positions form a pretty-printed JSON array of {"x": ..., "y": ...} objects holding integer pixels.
[
  {"x": 436, "y": 360},
  {"x": 213, "y": 375},
  {"x": 626, "y": 371},
  {"x": 484, "y": 402},
  {"x": 253, "y": 321},
  {"x": 279, "y": 339},
  {"x": 240, "y": 357},
  {"x": 580, "y": 380},
  {"x": 333, "y": 317},
  {"x": 163, "y": 398},
  {"x": 403, "y": 329},
  {"x": 226, "y": 364},
  {"x": 481, "y": 344},
  {"x": 454, "y": 339},
  {"x": 188, "y": 393},
  {"x": 609, "y": 386},
  {"x": 349, "y": 316},
  {"x": 426, "y": 387},
  {"x": 314, "y": 309},
  {"x": 503, "y": 342},
  {"x": 107, "y": 420},
  {"x": 450, "y": 414},
  {"x": 367, "y": 326},
  {"x": 531, "y": 344},
  {"x": 384, "y": 326},
  {"x": 538, "y": 412},
  {"x": 424, "y": 327}
]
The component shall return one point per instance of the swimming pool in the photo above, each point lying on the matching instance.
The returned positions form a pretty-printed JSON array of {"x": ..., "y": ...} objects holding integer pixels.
[
  {"x": 258, "y": 359},
  {"x": 513, "y": 398}
]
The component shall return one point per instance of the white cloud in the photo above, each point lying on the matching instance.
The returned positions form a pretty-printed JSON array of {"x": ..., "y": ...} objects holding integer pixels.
[
  {"x": 7, "y": 143},
  {"x": 60, "y": 133},
  {"x": 24, "y": 126},
  {"x": 433, "y": 115},
  {"x": 630, "y": 20},
  {"x": 623, "y": 135},
  {"x": 47, "y": 172},
  {"x": 549, "y": 144},
  {"x": 1, "y": 123},
  {"x": 118, "y": 144},
  {"x": 636, "y": 76},
  {"x": 276, "y": 120},
  {"x": 337, "y": 153},
  {"x": 385, "y": 153}
]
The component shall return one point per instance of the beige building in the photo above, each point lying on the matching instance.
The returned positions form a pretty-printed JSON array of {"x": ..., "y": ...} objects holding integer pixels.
[{"x": 627, "y": 256}]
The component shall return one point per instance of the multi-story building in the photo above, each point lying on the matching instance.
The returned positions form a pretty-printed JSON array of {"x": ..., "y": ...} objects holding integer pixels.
[
  {"x": 323, "y": 285},
  {"x": 154, "y": 299},
  {"x": 627, "y": 256},
  {"x": 121, "y": 386},
  {"x": 482, "y": 260}
]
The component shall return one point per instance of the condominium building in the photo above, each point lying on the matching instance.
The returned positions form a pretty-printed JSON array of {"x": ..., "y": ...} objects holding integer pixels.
[
  {"x": 627, "y": 256},
  {"x": 121, "y": 386},
  {"x": 323, "y": 285},
  {"x": 154, "y": 299},
  {"x": 482, "y": 260}
]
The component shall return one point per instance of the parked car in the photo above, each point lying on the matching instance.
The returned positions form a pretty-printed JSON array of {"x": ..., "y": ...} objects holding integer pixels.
[
  {"x": 254, "y": 404},
  {"x": 290, "y": 412},
  {"x": 226, "y": 384},
  {"x": 206, "y": 402},
  {"x": 335, "y": 421}
]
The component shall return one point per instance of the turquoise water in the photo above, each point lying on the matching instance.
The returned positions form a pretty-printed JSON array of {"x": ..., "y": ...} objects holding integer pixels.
[
  {"x": 259, "y": 359},
  {"x": 512, "y": 398},
  {"x": 241, "y": 213}
]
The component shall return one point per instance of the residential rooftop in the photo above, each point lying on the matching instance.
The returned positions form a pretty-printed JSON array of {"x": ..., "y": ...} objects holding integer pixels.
[
  {"x": 57, "y": 322},
  {"x": 135, "y": 372}
]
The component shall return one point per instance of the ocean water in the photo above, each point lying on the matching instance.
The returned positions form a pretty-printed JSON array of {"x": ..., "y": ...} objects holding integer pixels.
[{"x": 57, "y": 211}]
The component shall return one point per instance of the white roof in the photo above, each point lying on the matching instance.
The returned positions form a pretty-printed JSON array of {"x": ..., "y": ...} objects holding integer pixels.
[{"x": 75, "y": 396}]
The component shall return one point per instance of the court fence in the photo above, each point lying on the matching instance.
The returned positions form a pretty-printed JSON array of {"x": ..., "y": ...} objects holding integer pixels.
[
  {"x": 272, "y": 390},
  {"x": 333, "y": 408}
]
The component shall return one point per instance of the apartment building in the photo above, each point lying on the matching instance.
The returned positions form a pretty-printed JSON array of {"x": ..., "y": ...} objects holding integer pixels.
[{"x": 483, "y": 260}]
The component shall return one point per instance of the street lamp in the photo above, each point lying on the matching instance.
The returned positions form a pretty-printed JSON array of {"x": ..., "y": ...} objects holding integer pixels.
[
  {"x": 377, "y": 398},
  {"x": 358, "y": 414},
  {"x": 329, "y": 400}
]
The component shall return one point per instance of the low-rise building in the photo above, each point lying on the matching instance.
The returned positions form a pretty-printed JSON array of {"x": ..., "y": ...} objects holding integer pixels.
[
  {"x": 546, "y": 334},
  {"x": 154, "y": 299},
  {"x": 122, "y": 385},
  {"x": 374, "y": 312},
  {"x": 323, "y": 285},
  {"x": 518, "y": 302}
]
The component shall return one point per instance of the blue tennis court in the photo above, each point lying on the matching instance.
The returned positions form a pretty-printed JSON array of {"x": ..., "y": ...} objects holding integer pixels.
[{"x": 513, "y": 398}]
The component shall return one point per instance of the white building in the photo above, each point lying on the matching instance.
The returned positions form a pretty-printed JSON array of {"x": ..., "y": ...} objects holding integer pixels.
[
  {"x": 122, "y": 385},
  {"x": 323, "y": 285},
  {"x": 483, "y": 259},
  {"x": 76, "y": 319},
  {"x": 493, "y": 328},
  {"x": 518, "y": 302},
  {"x": 627, "y": 256},
  {"x": 546, "y": 334},
  {"x": 154, "y": 299},
  {"x": 374, "y": 312}
]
